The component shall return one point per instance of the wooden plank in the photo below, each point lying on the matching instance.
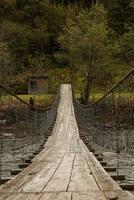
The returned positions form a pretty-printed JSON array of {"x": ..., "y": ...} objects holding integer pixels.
[
  {"x": 8, "y": 196},
  {"x": 119, "y": 195},
  {"x": 20, "y": 196},
  {"x": 3, "y": 195},
  {"x": 40, "y": 180},
  {"x": 45, "y": 153},
  {"x": 16, "y": 183},
  {"x": 103, "y": 179},
  {"x": 61, "y": 178},
  {"x": 31, "y": 196},
  {"x": 81, "y": 178},
  {"x": 75, "y": 145},
  {"x": 98, "y": 195},
  {"x": 57, "y": 196}
]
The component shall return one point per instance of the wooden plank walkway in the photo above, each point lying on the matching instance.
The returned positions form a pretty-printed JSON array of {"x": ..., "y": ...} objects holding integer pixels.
[{"x": 64, "y": 169}]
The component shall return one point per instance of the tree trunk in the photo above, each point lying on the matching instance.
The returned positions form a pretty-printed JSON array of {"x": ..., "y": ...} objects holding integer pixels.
[
  {"x": 86, "y": 89},
  {"x": 88, "y": 78}
]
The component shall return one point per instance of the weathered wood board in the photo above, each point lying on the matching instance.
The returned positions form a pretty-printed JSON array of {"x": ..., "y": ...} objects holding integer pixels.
[{"x": 64, "y": 169}]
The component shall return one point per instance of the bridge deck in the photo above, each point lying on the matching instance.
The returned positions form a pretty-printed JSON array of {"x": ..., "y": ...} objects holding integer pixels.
[{"x": 65, "y": 169}]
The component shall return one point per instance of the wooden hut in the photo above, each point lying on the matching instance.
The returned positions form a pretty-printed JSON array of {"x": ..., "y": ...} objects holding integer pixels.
[{"x": 38, "y": 85}]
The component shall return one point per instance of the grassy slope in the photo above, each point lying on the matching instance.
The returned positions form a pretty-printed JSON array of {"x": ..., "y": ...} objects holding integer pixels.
[{"x": 39, "y": 99}]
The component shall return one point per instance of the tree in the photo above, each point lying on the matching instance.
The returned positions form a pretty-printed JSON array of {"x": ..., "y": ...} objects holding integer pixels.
[
  {"x": 86, "y": 42},
  {"x": 6, "y": 8},
  {"x": 127, "y": 47},
  {"x": 120, "y": 15},
  {"x": 5, "y": 57},
  {"x": 21, "y": 3}
]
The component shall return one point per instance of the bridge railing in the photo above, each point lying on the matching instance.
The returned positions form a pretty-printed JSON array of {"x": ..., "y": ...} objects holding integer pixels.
[
  {"x": 109, "y": 123},
  {"x": 23, "y": 129}
]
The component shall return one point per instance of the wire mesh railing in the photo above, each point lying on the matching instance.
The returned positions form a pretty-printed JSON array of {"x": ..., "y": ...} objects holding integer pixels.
[
  {"x": 23, "y": 129},
  {"x": 109, "y": 124}
]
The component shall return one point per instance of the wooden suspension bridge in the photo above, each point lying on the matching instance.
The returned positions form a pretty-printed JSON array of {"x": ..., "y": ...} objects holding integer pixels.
[{"x": 65, "y": 169}]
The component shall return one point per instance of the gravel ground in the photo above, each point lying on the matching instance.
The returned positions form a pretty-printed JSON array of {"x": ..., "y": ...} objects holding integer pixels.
[
  {"x": 123, "y": 162},
  {"x": 106, "y": 144},
  {"x": 13, "y": 153}
]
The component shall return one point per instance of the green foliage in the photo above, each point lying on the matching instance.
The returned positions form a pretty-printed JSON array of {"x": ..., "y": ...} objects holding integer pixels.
[
  {"x": 7, "y": 8},
  {"x": 127, "y": 47},
  {"x": 5, "y": 60},
  {"x": 86, "y": 41},
  {"x": 34, "y": 31},
  {"x": 120, "y": 15},
  {"x": 21, "y": 3},
  {"x": 17, "y": 36},
  {"x": 88, "y": 45},
  {"x": 80, "y": 3}
]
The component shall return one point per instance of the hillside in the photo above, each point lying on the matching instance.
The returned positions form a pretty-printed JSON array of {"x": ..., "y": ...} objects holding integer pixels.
[{"x": 80, "y": 41}]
